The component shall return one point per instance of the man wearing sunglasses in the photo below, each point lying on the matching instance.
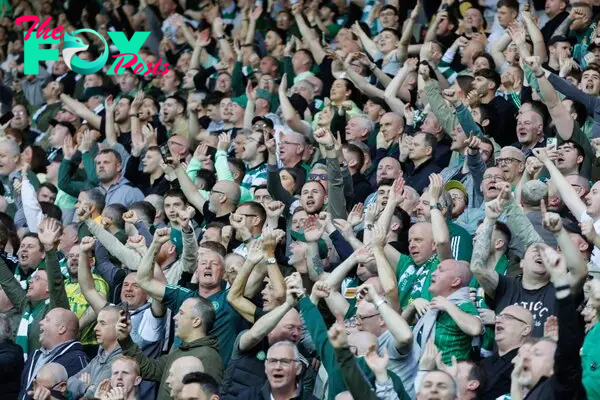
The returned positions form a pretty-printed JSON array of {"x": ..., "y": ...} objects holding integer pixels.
[{"x": 50, "y": 383}]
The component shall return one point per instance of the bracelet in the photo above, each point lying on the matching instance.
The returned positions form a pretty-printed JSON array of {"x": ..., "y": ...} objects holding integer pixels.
[
  {"x": 379, "y": 302},
  {"x": 329, "y": 148},
  {"x": 540, "y": 75},
  {"x": 372, "y": 67},
  {"x": 562, "y": 287},
  {"x": 220, "y": 37}
]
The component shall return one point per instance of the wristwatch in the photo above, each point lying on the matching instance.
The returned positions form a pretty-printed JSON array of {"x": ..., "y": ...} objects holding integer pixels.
[
  {"x": 271, "y": 260},
  {"x": 436, "y": 206}
]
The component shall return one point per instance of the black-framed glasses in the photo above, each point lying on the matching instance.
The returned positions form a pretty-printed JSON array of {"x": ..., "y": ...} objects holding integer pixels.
[
  {"x": 506, "y": 160},
  {"x": 494, "y": 177},
  {"x": 360, "y": 317},
  {"x": 317, "y": 177}
]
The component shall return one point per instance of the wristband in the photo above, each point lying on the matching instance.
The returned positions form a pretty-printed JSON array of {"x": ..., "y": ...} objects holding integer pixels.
[
  {"x": 220, "y": 37},
  {"x": 379, "y": 302},
  {"x": 436, "y": 206},
  {"x": 540, "y": 75}
]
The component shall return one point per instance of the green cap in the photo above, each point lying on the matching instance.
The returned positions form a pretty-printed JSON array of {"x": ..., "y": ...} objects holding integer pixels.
[
  {"x": 263, "y": 94},
  {"x": 242, "y": 101}
]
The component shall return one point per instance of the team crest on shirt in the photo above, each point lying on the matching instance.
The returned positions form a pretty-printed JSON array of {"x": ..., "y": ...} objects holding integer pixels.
[
  {"x": 216, "y": 305},
  {"x": 261, "y": 355}
]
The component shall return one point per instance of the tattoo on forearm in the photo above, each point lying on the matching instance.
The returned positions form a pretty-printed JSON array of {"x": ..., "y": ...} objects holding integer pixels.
[
  {"x": 481, "y": 250},
  {"x": 317, "y": 264}
]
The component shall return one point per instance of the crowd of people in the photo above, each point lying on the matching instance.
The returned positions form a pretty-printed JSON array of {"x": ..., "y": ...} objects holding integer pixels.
[{"x": 342, "y": 199}]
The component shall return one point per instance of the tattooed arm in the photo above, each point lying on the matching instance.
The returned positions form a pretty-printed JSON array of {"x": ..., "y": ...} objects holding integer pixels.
[{"x": 486, "y": 276}]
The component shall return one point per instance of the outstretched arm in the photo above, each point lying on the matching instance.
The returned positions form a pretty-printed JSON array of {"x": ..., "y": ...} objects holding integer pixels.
[
  {"x": 96, "y": 300},
  {"x": 81, "y": 110},
  {"x": 145, "y": 273},
  {"x": 263, "y": 326},
  {"x": 487, "y": 277}
]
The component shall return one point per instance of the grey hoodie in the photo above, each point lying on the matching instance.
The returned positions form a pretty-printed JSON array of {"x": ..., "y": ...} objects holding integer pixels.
[{"x": 98, "y": 369}]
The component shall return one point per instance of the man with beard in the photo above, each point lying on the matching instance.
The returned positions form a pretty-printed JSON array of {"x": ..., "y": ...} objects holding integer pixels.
[
  {"x": 172, "y": 115},
  {"x": 117, "y": 188},
  {"x": 79, "y": 304}
]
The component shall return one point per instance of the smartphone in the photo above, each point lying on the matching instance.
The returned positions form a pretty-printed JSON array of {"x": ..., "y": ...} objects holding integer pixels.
[
  {"x": 6, "y": 117},
  {"x": 126, "y": 309},
  {"x": 165, "y": 152},
  {"x": 472, "y": 29},
  {"x": 551, "y": 142}
]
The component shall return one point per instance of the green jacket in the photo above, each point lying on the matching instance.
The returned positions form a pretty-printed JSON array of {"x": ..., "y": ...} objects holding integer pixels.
[
  {"x": 17, "y": 295},
  {"x": 205, "y": 349},
  {"x": 318, "y": 333},
  {"x": 75, "y": 182}
]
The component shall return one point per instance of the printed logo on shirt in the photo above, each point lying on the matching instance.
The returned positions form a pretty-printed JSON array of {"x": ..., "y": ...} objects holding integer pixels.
[
  {"x": 538, "y": 310},
  {"x": 216, "y": 305},
  {"x": 127, "y": 57}
]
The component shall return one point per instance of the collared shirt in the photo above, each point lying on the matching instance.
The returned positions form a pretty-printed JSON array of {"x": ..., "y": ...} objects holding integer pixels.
[
  {"x": 418, "y": 177},
  {"x": 413, "y": 280}
]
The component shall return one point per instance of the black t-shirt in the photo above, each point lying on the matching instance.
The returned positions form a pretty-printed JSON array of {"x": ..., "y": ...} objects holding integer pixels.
[
  {"x": 124, "y": 138},
  {"x": 541, "y": 302}
]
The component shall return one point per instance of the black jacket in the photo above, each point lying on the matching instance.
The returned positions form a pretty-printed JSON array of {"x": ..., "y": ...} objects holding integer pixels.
[
  {"x": 69, "y": 354},
  {"x": 11, "y": 367},
  {"x": 566, "y": 381},
  {"x": 262, "y": 393}
]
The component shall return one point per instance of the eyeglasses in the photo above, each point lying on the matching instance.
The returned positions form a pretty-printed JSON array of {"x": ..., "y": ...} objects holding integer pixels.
[
  {"x": 317, "y": 177},
  {"x": 283, "y": 361},
  {"x": 290, "y": 143},
  {"x": 494, "y": 177},
  {"x": 360, "y": 317},
  {"x": 216, "y": 191},
  {"x": 508, "y": 317},
  {"x": 507, "y": 160},
  {"x": 246, "y": 215}
]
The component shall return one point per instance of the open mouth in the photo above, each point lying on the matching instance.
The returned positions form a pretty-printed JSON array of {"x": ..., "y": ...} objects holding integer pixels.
[{"x": 310, "y": 203}]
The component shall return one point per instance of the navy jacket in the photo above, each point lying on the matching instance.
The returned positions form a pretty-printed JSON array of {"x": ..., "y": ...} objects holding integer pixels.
[{"x": 69, "y": 354}]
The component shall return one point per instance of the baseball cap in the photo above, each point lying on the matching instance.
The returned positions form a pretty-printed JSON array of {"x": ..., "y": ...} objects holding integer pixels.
[
  {"x": 242, "y": 101},
  {"x": 454, "y": 184}
]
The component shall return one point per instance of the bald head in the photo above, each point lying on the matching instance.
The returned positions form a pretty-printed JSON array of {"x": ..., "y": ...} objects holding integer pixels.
[
  {"x": 53, "y": 374},
  {"x": 521, "y": 313},
  {"x": 363, "y": 340},
  {"x": 231, "y": 190},
  {"x": 187, "y": 365},
  {"x": 58, "y": 326}
]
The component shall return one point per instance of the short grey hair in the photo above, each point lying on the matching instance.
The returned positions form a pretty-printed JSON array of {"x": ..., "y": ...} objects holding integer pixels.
[
  {"x": 291, "y": 345},
  {"x": 533, "y": 192},
  {"x": 12, "y": 146},
  {"x": 366, "y": 122}
]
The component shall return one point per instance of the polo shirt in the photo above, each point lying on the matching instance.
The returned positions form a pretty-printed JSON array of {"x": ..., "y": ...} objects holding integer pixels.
[
  {"x": 228, "y": 323},
  {"x": 413, "y": 280}
]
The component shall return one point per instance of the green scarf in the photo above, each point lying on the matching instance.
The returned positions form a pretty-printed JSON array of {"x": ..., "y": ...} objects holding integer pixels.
[{"x": 27, "y": 318}]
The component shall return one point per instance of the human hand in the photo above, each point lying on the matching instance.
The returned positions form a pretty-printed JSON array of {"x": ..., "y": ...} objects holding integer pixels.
[
  {"x": 364, "y": 254},
  {"x": 551, "y": 221},
  {"x": 436, "y": 186},
  {"x": 588, "y": 230},
  {"x": 440, "y": 303},
  {"x": 131, "y": 217},
  {"x": 371, "y": 213},
  {"x": 68, "y": 147},
  {"x": 102, "y": 389},
  {"x": 473, "y": 98},
  {"x": 324, "y": 137},
  {"x": 592, "y": 288},
  {"x": 337, "y": 334},
  {"x": 49, "y": 232},
  {"x": 87, "y": 244},
  {"x": 379, "y": 237},
  {"x": 320, "y": 291},
  {"x": 534, "y": 64},
  {"x": 110, "y": 105},
  {"x": 294, "y": 285},
  {"x": 255, "y": 252},
  {"x": 427, "y": 361},
  {"x": 421, "y": 306},
  {"x": 551, "y": 327},
  {"x": 451, "y": 370},
  {"x": 367, "y": 292},
  {"x": 452, "y": 96},
  {"x": 274, "y": 209},
  {"x": 256, "y": 13},
  {"x": 83, "y": 211},
  {"x": 87, "y": 140},
  {"x": 494, "y": 208},
  {"x": 533, "y": 166},
  {"x": 344, "y": 227},
  {"x": 488, "y": 317},
  {"x": 123, "y": 326},
  {"x": 555, "y": 263},
  {"x": 270, "y": 239},
  {"x": 396, "y": 194},
  {"x": 162, "y": 235},
  {"x": 270, "y": 143},
  {"x": 224, "y": 141},
  {"x": 314, "y": 227},
  {"x": 378, "y": 364},
  {"x": 356, "y": 214},
  {"x": 137, "y": 243},
  {"x": 137, "y": 102}
]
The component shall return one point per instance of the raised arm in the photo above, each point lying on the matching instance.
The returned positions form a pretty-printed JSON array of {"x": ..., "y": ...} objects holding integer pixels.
[
  {"x": 498, "y": 50},
  {"x": 559, "y": 114},
  {"x": 576, "y": 264},
  {"x": 96, "y": 300},
  {"x": 145, "y": 273},
  {"x": 566, "y": 191},
  {"x": 367, "y": 43},
  {"x": 49, "y": 233},
  {"x": 441, "y": 234},
  {"x": 313, "y": 44},
  {"x": 189, "y": 189},
  {"x": 81, "y": 110},
  {"x": 124, "y": 254},
  {"x": 407, "y": 32},
  {"x": 264, "y": 325},
  {"x": 291, "y": 117},
  {"x": 386, "y": 273},
  {"x": 539, "y": 46},
  {"x": 391, "y": 91},
  {"x": 235, "y": 296},
  {"x": 487, "y": 277}
]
